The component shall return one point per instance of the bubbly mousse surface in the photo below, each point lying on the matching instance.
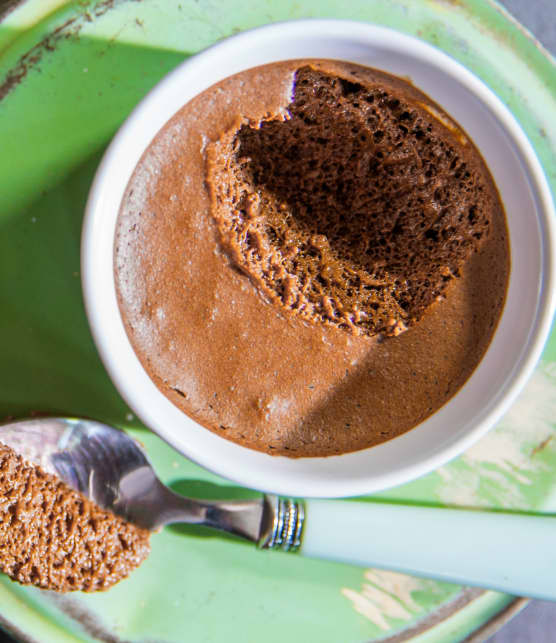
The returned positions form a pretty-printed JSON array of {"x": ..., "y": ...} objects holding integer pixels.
[
  {"x": 54, "y": 538},
  {"x": 354, "y": 209},
  {"x": 234, "y": 358}
]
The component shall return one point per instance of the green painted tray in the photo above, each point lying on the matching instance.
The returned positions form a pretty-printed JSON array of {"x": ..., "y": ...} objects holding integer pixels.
[{"x": 70, "y": 72}]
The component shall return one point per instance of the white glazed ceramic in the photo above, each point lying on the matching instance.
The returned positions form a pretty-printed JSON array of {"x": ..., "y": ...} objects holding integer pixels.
[{"x": 527, "y": 315}]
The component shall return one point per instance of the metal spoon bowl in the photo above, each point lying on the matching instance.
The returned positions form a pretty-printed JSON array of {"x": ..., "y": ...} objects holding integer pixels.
[{"x": 111, "y": 469}]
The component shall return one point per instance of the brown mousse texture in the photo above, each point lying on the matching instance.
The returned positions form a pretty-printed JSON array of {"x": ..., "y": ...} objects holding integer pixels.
[
  {"x": 315, "y": 224},
  {"x": 54, "y": 538},
  {"x": 354, "y": 208}
]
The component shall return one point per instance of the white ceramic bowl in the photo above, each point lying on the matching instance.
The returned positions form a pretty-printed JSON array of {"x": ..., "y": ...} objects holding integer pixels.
[{"x": 522, "y": 330}]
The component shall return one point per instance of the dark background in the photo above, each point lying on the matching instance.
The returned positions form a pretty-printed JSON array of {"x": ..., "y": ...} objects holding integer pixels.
[{"x": 537, "y": 622}]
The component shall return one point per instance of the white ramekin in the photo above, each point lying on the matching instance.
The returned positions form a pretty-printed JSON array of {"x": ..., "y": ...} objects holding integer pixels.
[{"x": 527, "y": 315}]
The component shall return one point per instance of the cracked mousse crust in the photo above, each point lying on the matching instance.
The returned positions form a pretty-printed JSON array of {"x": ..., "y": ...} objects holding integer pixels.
[
  {"x": 295, "y": 358},
  {"x": 355, "y": 208}
]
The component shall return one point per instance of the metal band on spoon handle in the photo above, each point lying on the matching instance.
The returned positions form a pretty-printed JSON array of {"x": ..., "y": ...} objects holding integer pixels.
[{"x": 284, "y": 520}]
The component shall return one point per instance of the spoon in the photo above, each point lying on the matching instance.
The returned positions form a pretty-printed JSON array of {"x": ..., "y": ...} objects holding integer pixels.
[{"x": 509, "y": 552}]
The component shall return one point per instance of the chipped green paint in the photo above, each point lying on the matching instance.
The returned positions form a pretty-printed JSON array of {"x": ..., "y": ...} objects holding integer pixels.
[{"x": 71, "y": 72}]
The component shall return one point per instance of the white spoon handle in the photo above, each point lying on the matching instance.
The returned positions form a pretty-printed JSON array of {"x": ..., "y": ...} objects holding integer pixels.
[{"x": 513, "y": 553}]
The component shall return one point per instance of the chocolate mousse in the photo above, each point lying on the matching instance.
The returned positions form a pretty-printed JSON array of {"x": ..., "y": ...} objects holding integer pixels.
[
  {"x": 54, "y": 538},
  {"x": 356, "y": 207},
  {"x": 280, "y": 234}
]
